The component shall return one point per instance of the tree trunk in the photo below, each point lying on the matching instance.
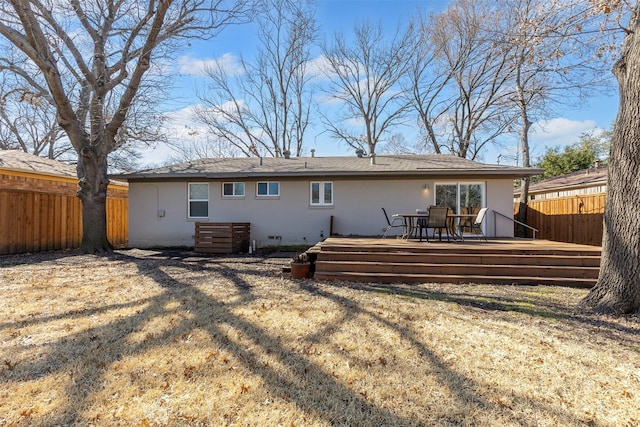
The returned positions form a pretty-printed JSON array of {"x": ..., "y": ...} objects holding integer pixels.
[
  {"x": 92, "y": 171},
  {"x": 522, "y": 231},
  {"x": 617, "y": 290}
]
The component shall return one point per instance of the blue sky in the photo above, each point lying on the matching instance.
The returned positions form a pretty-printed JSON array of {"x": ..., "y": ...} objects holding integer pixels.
[{"x": 341, "y": 15}]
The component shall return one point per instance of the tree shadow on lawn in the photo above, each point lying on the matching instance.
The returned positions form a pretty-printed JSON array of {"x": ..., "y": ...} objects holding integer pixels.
[
  {"x": 532, "y": 306},
  {"x": 111, "y": 343},
  {"x": 459, "y": 385}
]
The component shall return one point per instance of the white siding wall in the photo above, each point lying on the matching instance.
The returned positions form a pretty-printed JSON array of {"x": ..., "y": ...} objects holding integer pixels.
[
  {"x": 289, "y": 218},
  {"x": 498, "y": 200}
]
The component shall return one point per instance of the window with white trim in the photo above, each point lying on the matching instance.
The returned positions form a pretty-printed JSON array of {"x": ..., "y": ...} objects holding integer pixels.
[
  {"x": 198, "y": 200},
  {"x": 233, "y": 189},
  {"x": 461, "y": 197},
  {"x": 268, "y": 189},
  {"x": 321, "y": 193}
]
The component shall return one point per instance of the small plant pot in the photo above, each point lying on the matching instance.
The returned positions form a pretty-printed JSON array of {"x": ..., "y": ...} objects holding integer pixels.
[{"x": 300, "y": 270}]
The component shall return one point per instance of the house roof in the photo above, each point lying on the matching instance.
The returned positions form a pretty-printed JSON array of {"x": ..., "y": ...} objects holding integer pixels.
[
  {"x": 352, "y": 166},
  {"x": 579, "y": 179},
  {"x": 19, "y": 161}
]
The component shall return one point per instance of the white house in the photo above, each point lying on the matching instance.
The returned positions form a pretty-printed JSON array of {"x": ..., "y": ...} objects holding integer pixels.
[{"x": 297, "y": 200}]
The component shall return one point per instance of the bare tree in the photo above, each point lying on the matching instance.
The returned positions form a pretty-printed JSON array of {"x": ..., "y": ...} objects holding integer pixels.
[
  {"x": 102, "y": 51},
  {"x": 198, "y": 147},
  {"x": 618, "y": 287},
  {"x": 427, "y": 84},
  {"x": 554, "y": 63},
  {"x": 27, "y": 113},
  {"x": 265, "y": 109},
  {"x": 365, "y": 76},
  {"x": 398, "y": 145},
  {"x": 477, "y": 107}
]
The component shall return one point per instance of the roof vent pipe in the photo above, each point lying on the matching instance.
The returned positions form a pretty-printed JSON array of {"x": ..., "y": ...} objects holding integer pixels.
[
  {"x": 286, "y": 154},
  {"x": 373, "y": 159},
  {"x": 260, "y": 160},
  {"x": 313, "y": 152}
]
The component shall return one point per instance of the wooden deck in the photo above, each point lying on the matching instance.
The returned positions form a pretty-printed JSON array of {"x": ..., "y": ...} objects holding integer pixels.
[{"x": 498, "y": 261}]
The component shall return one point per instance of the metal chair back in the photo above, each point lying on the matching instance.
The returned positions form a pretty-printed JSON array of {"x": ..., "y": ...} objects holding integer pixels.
[{"x": 438, "y": 221}]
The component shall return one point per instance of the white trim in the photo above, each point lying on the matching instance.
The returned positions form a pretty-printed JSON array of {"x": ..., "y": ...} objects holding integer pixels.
[
  {"x": 189, "y": 200},
  {"x": 268, "y": 189},
  {"x": 233, "y": 189},
  {"x": 321, "y": 193}
]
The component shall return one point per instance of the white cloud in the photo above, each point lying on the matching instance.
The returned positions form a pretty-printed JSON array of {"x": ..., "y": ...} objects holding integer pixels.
[
  {"x": 180, "y": 126},
  {"x": 319, "y": 68},
  {"x": 556, "y": 132},
  {"x": 198, "y": 67},
  {"x": 183, "y": 123},
  {"x": 559, "y": 132}
]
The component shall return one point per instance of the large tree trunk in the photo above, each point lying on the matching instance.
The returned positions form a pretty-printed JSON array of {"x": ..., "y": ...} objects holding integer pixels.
[
  {"x": 92, "y": 171},
  {"x": 618, "y": 287},
  {"x": 522, "y": 231}
]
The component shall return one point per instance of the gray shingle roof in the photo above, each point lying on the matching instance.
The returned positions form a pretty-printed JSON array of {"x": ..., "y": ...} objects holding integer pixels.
[
  {"x": 391, "y": 165},
  {"x": 23, "y": 162},
  {"x": 582, "y": 178}
]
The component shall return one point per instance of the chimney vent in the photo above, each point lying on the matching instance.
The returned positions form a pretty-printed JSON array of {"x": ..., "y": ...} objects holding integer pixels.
[
  {"x": 313, "y": 152},
  {"x": 286, "y": 154}
]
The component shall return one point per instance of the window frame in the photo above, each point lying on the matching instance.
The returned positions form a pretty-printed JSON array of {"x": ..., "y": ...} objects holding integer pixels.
[
  {"x": 321, "y": 194},
  {"x": 233, "y": 188},
  {"x": 268, "y": 194},
  {"x": 458, "y": 184},
  {"x": 190, "y": 200}
]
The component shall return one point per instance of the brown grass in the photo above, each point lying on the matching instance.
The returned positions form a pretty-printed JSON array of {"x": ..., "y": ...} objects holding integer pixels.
[{"x": 152, "y": 338}]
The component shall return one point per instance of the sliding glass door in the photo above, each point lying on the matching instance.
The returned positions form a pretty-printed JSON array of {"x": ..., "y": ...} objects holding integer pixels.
[{"x": 461, "y": 197}]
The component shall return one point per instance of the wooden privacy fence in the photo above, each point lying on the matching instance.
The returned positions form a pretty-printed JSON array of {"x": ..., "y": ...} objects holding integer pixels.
[
  {"x": 574, "y": 219},
  {"x": 222, "y": 237},
  {"x": 45, "y": 214}
]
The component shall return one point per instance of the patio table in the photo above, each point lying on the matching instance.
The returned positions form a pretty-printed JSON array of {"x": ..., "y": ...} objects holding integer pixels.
[{"x": 411, "y": 223}]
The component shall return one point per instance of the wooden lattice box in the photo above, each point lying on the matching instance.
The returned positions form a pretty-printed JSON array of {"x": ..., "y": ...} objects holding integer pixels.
[{"x": 222, "y": 237}]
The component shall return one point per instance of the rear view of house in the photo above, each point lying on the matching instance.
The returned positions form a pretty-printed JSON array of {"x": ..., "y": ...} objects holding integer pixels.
[{"x": 302, "y": 200}]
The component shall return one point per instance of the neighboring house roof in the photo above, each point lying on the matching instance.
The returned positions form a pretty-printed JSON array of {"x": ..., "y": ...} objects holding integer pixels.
[
  {"x": 592, "y": 177},
  {"x": 19, "y": 161},
  {"x": 377, "y": 166}
]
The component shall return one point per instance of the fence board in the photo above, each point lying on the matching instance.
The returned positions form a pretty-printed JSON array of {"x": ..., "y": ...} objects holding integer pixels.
[
  {"x": 32, "y": 221},
  {"x": 573, "y": 219}
]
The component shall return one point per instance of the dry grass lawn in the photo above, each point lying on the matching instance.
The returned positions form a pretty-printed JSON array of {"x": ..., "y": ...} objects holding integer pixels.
[{"x": 162, "y": 338}]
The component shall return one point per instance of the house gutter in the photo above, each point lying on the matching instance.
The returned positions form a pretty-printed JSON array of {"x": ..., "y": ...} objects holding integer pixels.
[{"x": 326, "y": 174}]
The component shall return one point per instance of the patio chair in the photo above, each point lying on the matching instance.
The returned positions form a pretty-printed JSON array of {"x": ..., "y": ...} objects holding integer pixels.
[
  {"x": 391, "y": 223},
  {"x": 466, "y": 223},
  {"x": 477, "y": 223},
  {"x": 438, "y": 221},
  {"x": 421, "y": 223}
]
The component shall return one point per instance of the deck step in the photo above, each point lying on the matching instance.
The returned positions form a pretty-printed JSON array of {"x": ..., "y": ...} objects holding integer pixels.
[
  {"x": 490, "y": 269},
  {"x": 455, "y": 279},
  {"x": 466, "y": 258},
  {"x": 457, "y": 248}
]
